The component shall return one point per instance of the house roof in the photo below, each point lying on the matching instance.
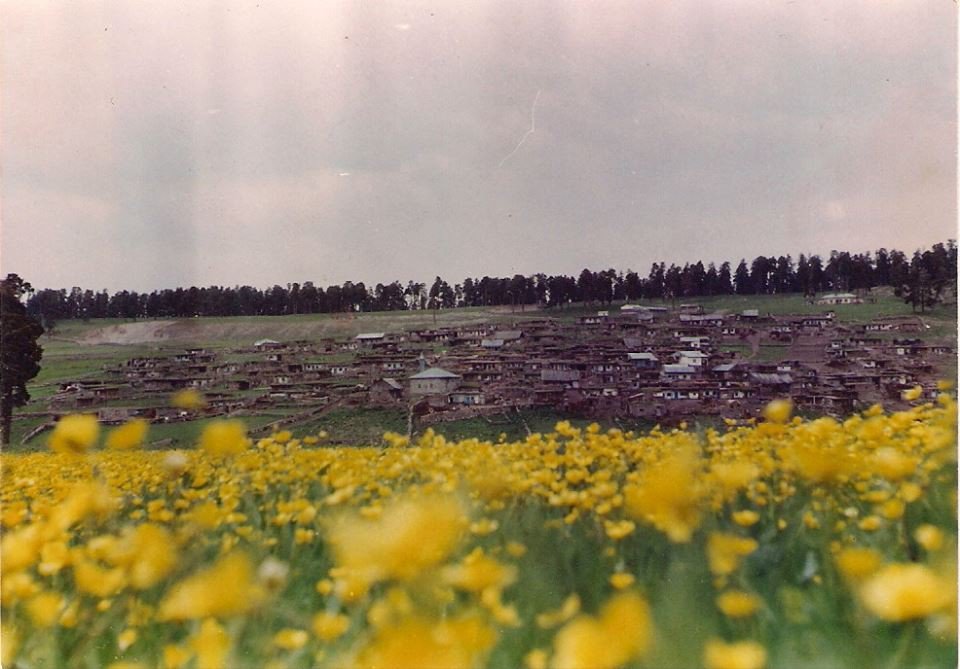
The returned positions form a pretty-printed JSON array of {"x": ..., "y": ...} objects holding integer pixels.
[
  {"x": 692, "y": 354},
  {"x": 392, "y": 383},
  {"x": 435, "y": 373},
  {"x": 641, "y": 356},
  {"x": 771, "y": 379},
  {"x": 678, "y": 369},
  {"x": 265, "y": 342},
  {"x": 370, "y": 335}
]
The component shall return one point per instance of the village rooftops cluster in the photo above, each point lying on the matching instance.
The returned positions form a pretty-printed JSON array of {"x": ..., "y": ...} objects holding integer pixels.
[{"x": 642, "y": 362}]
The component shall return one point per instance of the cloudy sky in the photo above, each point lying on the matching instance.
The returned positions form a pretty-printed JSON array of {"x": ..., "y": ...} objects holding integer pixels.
[{"x": 149, "y": 145}]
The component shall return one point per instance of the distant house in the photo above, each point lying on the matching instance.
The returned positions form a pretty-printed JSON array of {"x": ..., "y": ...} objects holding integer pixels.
[
  {"x": 691, "y": 358},
  {"x": 559, "y": 375},
  {"x": 645, "y": 312},
  {"x": 839, "y": 298},
  {"x": 818, "y": 321},
  {"x": 678, "y": 372},
  {"x": 696, "y": 343},
  {"x": 370, "y": 338},
  {"x": 643, "y": 360},
  {"x": 386, "y": 390},
  {"x": 267, "y": 344},
  {"x": 467, "y": 397},
  {"x": 507, "y": 335},
  {"x": 433, "y": 381}
]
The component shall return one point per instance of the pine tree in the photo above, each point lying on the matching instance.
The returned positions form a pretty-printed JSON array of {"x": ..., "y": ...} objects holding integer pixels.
[{"x": 19, "y": 351}]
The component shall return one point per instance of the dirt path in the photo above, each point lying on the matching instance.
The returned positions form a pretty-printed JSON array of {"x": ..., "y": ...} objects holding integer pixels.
[{"x": 129, "y": 333}]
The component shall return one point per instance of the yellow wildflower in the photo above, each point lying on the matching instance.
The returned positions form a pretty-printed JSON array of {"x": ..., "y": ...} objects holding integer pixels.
[
  {"x": 412, "y": 535},
  {"x": 892, "y": 509},
  {"x": 20, "y": 548},
  {"x": 739, "y": 655},
  {"x": 9, "y": 643},
  {"x": 419, "y": 643},
  {"x": 224, "y": 437},
  {"x": 149, "y": 554},
  {"x": 536, "y": 659},
  {"x": 622, "y": 580},
  {"x": 54, "y": 556},
  {"x": 478, "y": 572},
  {"x": 211, "y": 645},
  {"x": 175, "y": 657},
  {"x": 330, "y": 626},
  {"x": 126, "y": 638},
  {"x": 901, "y": 592},
  {"x": 858, "y": 563},
  {"x": 223, "y": 589},
  {"x": 892, "y": 464},
  {"x": 738, "y": 604},
  {"x": 75, "y": 433},
  {"x": 617, "y": 530},
  {"x": 569, "y": 608},
  {"x": 44, "y": 608},
  {"x": 778, "y": 411},
  {"x": 669, "y": 497},
  {"x": 129, "y": 435},
  {"x": 484, "y": 526},
  {"x": 913, "y": 393},
  {"x": 929, "y": 536},
  {"x": 725, "y": 551},
  {"x": 516, "y": 549},
  {"x": 290, "y": 639},
  {"x": 746, "y": 517},
  {"x": 189, "y": 399},
  {"x": 17, "y": 587},
  {"x": 94, "y": 580},
  {"x": 619, "y": 634}
]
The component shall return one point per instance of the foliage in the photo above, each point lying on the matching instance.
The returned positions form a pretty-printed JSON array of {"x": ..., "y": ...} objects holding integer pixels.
[
  {"x": 19, "y": 351},
  {"x": 778, "y": 544},
  {"x": 930, "y": 274},
  {"x": 763, "y": 276}
]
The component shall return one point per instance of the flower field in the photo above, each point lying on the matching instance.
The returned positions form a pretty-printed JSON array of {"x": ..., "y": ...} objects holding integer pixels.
[{"x": 780, "y": 543}]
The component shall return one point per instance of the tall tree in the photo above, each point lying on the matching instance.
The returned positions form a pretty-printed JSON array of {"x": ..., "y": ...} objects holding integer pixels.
[
  {"x": 19, "y": 351},
  {"x": 741, "y": 278},
  {"x": 918, "y": 290},
  {"x": 725, "y": 280}
]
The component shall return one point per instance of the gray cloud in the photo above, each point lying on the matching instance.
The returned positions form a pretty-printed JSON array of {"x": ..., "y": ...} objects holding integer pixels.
[{"x": 150, "y": 145}]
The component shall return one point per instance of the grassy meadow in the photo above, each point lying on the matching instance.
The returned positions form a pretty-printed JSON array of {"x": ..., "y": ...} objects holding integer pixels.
[{"x": 783, "y": 543}]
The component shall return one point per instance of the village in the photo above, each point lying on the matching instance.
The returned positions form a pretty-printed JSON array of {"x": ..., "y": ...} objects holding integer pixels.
[{"x": 652, "y": 363}]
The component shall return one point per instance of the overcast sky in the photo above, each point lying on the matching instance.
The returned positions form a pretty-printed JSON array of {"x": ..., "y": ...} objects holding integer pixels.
[{"x": 162, "y": 144}]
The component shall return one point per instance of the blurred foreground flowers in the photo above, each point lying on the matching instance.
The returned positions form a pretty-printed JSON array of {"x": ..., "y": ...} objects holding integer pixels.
[{"x": 765, "y": 545}]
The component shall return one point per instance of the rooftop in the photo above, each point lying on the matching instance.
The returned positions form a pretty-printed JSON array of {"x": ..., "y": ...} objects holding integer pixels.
[{"x": 435, "y": 373}]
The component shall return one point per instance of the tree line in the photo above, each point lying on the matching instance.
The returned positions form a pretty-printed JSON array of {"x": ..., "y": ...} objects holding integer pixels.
[{"x": 920, "y": 280}]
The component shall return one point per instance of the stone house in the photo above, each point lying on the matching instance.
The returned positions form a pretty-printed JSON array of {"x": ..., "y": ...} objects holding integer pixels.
[{"x": 433, "y": 381}]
